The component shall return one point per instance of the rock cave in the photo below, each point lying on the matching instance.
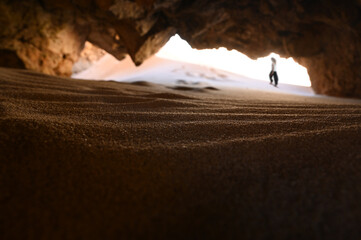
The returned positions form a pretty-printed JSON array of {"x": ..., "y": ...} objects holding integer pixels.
[
  {"x": 135, "y": 159},
  {"x": 324, "y": 36}
]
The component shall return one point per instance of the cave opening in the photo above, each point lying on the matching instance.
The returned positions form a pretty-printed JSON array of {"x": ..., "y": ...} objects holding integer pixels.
[
  {"x": 290, "y": 72},
  {"x": 178, "y": 63}
]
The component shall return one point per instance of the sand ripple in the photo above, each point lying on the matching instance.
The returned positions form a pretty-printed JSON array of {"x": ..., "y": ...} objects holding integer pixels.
[{"x": 92, "y": 159}]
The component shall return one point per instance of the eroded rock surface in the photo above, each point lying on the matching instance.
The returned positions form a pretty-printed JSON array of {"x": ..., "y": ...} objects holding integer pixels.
[
  {"x": 324, "y": 36},
  {"x": 88, "y": 57}
]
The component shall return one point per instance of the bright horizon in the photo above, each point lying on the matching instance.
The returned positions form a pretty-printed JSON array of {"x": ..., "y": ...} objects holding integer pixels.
[{"x": 288, "y": 70}]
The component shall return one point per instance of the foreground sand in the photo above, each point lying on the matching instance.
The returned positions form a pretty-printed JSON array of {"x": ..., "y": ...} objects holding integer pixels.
[{"x": 107, "y": 160}]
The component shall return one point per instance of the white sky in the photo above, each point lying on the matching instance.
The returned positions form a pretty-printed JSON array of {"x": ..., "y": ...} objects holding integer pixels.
[{"x": 233, "y": 61}]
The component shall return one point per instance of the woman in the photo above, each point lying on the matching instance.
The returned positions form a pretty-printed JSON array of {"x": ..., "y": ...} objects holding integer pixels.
[{"x": 273, "y": 72}]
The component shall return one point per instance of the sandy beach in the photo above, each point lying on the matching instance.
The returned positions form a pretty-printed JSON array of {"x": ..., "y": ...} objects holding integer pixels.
[{"x": 138, "y": 160}]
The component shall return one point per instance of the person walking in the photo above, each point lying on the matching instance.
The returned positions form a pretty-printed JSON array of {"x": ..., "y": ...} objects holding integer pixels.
[{"x": 273, "y": 73}]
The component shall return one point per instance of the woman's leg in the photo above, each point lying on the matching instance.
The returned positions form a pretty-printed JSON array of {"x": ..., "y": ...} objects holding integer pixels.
[
  {"x": 270, "y": 77},
  {"x": 276, "y": 78}
]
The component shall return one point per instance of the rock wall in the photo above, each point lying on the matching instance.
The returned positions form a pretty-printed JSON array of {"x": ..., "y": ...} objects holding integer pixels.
[
  {"x": 88, "y": 56},
  {"x": 36, "y": 37},
  {"x": 323, "y": 35}
]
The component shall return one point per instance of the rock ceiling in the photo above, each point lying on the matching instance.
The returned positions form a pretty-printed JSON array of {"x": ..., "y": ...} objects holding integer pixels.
[{"x": 324, "y": 35}]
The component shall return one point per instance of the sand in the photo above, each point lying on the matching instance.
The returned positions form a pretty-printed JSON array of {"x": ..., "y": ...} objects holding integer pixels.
[{"x": 108, "y": 160}]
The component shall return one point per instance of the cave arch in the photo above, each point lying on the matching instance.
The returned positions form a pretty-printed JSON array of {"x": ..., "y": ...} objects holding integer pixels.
[{"x": 324, "y": 36}]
